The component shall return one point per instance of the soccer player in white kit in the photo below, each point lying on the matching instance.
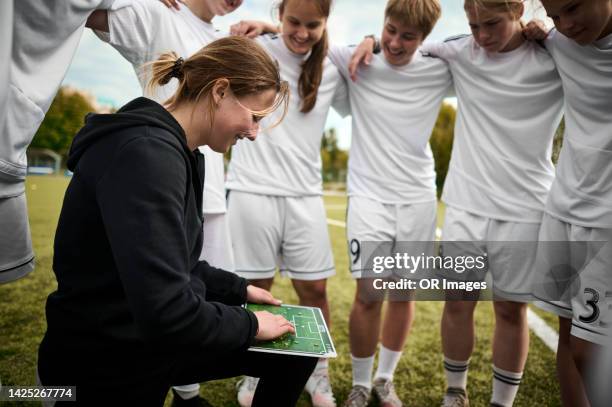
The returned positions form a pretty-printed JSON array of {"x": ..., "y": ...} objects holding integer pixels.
[
  {"x": 38, "y": 43},
  {"x": 579, "y": 206},
  {"x": 143, "y": 29},
  {"x": 391, "y": 180},
  {"x": 510, "y": 104},
  {"x": 275, "y": 206}
]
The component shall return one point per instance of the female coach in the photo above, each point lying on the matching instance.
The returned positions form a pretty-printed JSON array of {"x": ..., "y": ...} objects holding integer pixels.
[{"x": 135, "y": 312}]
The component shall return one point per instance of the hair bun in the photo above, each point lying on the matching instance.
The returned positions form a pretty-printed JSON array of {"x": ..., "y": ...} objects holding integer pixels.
[{"x": 177, "y": 69}]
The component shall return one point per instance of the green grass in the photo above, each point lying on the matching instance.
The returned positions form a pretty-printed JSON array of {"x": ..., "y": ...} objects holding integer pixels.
[{"x": 419, "y": 377}]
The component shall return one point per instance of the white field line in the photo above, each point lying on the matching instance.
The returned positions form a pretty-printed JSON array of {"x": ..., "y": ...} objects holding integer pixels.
[
  {"x": 548, "y": 335},
  {"x": 536, "y": 324}
]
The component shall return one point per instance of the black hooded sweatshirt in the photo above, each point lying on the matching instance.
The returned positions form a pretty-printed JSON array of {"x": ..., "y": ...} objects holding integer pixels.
[{"x": 128, "y": 242}]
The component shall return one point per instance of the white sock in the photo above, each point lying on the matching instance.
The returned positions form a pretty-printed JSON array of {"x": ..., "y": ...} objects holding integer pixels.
[
  {"x": 387, "y": 362},
  {"x": 505, "y": 386},
  {"x": 456, "y": 373},
  {"x": 362, "y": 371},
  {"x": 188, "y": 391}
]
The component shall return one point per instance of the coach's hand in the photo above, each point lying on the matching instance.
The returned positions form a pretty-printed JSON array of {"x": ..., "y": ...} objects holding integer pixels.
[
  {"x": 258, "y": 295},
  {"x": 272, "y": 326}
]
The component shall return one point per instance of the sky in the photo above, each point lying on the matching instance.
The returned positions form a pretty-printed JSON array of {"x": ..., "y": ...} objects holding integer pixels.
[{"x": 102, "y": 71}]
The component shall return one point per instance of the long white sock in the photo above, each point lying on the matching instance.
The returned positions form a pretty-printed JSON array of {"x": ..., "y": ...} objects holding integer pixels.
[
  {"x": 505, "y": 386},
  {"x": 456, "y": 372},
  {"x": 362, "y": 371},
  {"x": 387, "y": 362},
  {"x": 188, "y": 391}
]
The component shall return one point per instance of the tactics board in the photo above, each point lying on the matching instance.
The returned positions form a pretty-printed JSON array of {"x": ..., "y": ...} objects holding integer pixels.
[{"x": 311, "y": 337}]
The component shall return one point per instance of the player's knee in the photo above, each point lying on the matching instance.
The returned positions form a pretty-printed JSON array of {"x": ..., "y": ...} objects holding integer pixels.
[
  {"x": 367, "y": 304},
  {"x": 458, "y": 310},
  {"x": 511, "y": 313},
  {"x": 313, "y": 291}
]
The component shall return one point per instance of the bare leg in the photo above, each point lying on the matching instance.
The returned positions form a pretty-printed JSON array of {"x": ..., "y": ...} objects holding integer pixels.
[
  {"x": 458, "y": 329},
  {"x": 364, "y": 321},
  {"x": 511, "y": 338},
  {"x": 313, "y": 294},
  {"x": 583, "y": 353},
  {"x": 397, "y": 324},
  {"x": 573, "y": 393}
]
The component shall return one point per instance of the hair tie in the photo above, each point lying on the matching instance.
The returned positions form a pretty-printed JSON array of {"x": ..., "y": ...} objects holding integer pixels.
[{"x": 177, "y": 69}]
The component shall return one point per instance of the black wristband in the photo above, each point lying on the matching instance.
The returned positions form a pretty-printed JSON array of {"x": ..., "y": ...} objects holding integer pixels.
[{"x": 376, "y": 49}]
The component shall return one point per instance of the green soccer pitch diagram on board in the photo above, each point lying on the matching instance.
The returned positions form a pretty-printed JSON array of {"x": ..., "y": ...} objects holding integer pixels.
[{"x": 311, "y": 337}]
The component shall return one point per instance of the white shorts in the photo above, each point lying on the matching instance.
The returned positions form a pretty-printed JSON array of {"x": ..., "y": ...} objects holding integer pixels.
[
  {"x": 276, "y": 231},
  {"x": 16, "y": 254},
  {"x": 370, "y": 222},
  {"x": 587, "y": 299},
  {"x": 511, "y": 265},
  {"x": 217, "y": 247}
]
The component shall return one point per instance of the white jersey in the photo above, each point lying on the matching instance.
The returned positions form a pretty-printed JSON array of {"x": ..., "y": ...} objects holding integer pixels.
[
  {"x": 510, "y": 105},
  {"x": 144, "y": 29},
  {"x": 44, "y": 41},
  {"x": 394, "y": 110},
  {"x": 582, "y": 191},
  {"x": 286, "y": 160}
]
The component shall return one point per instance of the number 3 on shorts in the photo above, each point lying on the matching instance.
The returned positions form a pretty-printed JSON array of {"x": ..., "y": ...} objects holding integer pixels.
[{"x": 593, "y": 304}]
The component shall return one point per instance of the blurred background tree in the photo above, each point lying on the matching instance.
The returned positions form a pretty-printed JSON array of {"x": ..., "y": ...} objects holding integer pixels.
[
  {"x": 334, "y": 159},
  {"x": 442, "y": 142},
  {"x": 63, "y": 120}
]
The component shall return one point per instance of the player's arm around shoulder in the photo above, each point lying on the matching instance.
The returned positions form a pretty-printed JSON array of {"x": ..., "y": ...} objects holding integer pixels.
[
  {"x": 362, "y": 55},
  {"x": 132, "y": 27},
  {"x": 448, "y": 49},
  {"x": 253, "y": 28}
]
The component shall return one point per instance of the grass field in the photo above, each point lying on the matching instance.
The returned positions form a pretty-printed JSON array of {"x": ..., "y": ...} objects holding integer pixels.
[{"x": 419, "y": 378}]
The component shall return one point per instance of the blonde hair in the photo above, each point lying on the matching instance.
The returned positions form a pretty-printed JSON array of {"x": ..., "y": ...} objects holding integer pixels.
[
  {"x": 514, "y": 7},
  {"x": 422, "y": 14},
  {"x": 312, "y": 68},
  {"x": 242, "y": 62}
]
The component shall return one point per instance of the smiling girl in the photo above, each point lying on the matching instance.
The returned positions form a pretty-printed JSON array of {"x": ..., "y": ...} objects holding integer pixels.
[
  {"x": 275, "y": 205},
  {"x": 391, "y": 184}
]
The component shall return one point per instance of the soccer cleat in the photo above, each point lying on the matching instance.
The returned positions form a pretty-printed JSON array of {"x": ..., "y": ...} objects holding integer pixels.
[
  {"x": 320, "y": 390},
  {"x": 197, "y": 401},
  {"x": 246, "y": 390},
  {"x": 455, "y": 397},
  {"x": 359, "y": 396},
  {"x": 385, "y": 391}
]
